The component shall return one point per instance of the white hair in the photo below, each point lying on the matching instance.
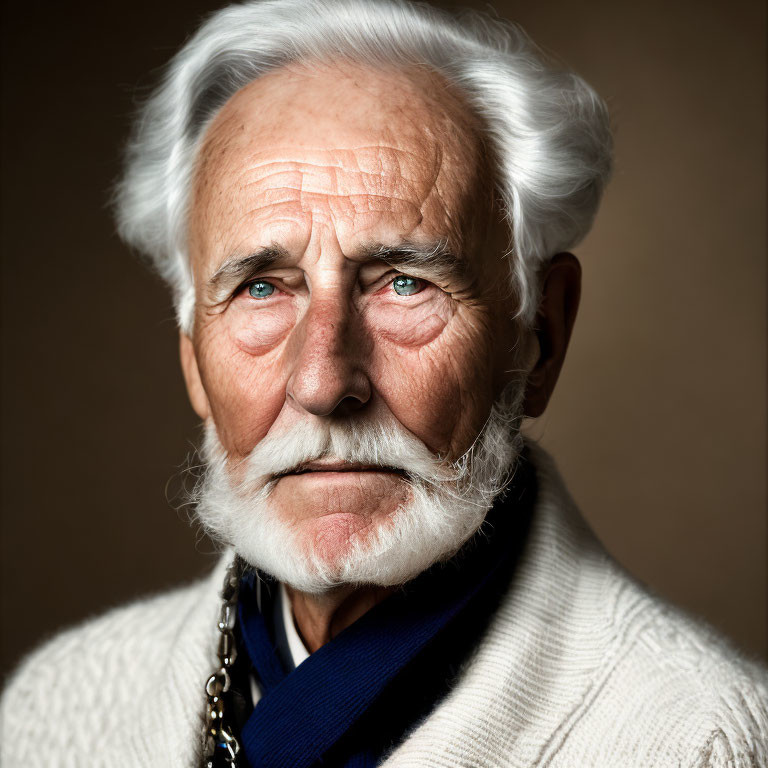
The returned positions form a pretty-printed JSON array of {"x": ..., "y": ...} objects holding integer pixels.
[
  {"x": 548, "y": 131},
  {"x": 448, "y": 501}
]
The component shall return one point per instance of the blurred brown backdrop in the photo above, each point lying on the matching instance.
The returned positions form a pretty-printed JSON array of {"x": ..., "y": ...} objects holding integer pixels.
[{"x": 658, "y": 423}]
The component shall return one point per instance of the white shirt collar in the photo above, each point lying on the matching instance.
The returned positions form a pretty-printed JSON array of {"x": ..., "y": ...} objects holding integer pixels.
[{"x": 296, "y": 648}]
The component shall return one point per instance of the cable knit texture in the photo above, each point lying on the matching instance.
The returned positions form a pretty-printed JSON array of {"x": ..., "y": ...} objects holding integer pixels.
[{"x": 579, "y": 667}]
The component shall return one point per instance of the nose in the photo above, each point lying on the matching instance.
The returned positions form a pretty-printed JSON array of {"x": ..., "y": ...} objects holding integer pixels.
[{"x": 327, "y": 376}]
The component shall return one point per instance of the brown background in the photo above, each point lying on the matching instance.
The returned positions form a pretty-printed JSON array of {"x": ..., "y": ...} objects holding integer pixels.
[{"x": 659, "y": 421}]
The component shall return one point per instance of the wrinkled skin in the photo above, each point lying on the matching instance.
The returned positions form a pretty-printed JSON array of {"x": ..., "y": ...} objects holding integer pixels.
[{"x": 324, "y": 165}]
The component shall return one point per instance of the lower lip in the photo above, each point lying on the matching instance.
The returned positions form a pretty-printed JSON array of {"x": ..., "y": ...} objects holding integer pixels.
[{"x": 342, "y": 476}]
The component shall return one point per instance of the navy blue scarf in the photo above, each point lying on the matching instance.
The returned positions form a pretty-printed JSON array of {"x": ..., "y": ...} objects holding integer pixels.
[{"x": 352, "y": 700}]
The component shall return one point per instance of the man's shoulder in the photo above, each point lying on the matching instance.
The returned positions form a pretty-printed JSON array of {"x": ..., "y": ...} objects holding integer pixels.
[
  {"x": 104, "y": 640},
  {"x": 618, "y": 677},
  {"x": 584, "y": 665},
  {"x": 98, "y": 677},
  {"x": 674, "y": 690}
]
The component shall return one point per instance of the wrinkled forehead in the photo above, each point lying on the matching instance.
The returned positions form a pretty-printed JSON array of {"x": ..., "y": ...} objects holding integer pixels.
[{"x": 393, "y": 150}]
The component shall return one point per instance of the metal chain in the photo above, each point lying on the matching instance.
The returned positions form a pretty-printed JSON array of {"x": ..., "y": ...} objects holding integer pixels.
[{"x": 221, "y": 745}]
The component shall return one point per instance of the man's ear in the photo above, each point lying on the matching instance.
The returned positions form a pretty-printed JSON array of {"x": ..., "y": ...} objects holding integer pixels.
[
  {"x": 553, "y": 324},
  {"x": 195, "y": 390}
]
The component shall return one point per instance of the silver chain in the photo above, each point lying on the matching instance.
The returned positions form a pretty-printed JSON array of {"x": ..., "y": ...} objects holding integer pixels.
[{"x": 220, "y": 741}]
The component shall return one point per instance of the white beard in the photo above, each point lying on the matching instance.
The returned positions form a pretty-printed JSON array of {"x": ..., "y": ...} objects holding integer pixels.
[{"x": 447, "y": 502}]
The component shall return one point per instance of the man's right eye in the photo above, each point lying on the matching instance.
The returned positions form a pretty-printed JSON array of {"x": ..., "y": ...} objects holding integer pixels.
[{"x": 261, "y": 289}]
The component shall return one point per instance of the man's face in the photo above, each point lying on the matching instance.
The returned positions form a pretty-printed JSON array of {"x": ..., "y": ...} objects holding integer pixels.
[{"x": 348, "y": 267}]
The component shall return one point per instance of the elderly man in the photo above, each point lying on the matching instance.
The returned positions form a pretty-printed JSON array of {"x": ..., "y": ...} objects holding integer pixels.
[{"x": 363, "y": 211}]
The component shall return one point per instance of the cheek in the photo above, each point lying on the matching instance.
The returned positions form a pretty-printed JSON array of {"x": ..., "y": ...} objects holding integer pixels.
[
  {"x": 245, "y": 402},
  {"x": 242, "y": 372},
  {"x": 441, "y": 391}
]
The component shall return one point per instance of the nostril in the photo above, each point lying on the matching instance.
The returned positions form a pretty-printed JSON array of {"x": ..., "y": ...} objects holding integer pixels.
[{"x": 349, "y": 405}]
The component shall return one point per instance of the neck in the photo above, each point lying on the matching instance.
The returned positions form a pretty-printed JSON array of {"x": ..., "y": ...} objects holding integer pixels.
[{"x": 319, "y": 618}]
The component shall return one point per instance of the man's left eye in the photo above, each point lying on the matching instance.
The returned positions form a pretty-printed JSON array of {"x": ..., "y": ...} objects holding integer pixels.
[
  {"x": 261, "y": 289},
  {"x": 407, "y": 286}
]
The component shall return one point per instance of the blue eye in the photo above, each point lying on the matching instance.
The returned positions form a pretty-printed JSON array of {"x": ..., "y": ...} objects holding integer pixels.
[
  {"x": 407, "y": 286},
  {"x": 261, "y": 289}
]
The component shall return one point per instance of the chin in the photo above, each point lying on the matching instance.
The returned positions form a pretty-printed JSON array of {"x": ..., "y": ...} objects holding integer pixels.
[
  {"x": 332, "y": 515},
  {"x": 342, "y": 547},
  {"x": 335, "y": 548},
  {"x": 332, "y": 541},
  {"x": 333, "y": 536}
]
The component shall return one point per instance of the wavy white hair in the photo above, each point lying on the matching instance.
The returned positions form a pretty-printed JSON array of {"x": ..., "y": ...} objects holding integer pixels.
[{"x": 547, "y": 129}]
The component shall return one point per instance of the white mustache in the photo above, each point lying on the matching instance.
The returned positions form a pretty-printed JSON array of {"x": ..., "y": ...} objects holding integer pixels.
[{"x": 369, "y": 443}]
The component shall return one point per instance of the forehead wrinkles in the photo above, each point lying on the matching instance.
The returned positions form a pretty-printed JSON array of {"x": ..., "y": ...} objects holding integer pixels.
[
  {"x": 353, "y": 188},
  {"x": 421, "y": 157},
  {"x": 347, "y": 186},
  {"x": 375, "y": 170}
]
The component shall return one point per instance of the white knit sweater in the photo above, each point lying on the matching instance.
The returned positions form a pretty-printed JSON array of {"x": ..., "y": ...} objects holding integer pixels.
[{"x": 580, "y": 666}]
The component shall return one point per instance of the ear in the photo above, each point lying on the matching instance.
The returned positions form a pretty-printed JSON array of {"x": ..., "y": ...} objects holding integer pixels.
[
  {"x": 554, "y": 321},
  {"x": 195, "y": 389}
]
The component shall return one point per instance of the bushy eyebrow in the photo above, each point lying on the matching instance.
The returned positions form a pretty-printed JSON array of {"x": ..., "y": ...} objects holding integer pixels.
[
  {"x": 237, "y": 269},
  {"x": 435, "y": 259}
]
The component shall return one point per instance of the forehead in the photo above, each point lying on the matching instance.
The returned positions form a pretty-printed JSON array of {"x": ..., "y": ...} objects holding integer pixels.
[{"x": 374, "y": 155}]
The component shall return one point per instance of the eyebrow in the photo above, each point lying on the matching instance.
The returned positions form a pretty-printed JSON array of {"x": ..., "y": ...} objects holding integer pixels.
[
  {"x": 236, "y": 269},
  {"x": 436, "y": 259}
]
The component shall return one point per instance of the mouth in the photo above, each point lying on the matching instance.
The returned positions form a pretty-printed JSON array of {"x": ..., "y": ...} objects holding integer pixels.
[{"x": 336, "y": 465}]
